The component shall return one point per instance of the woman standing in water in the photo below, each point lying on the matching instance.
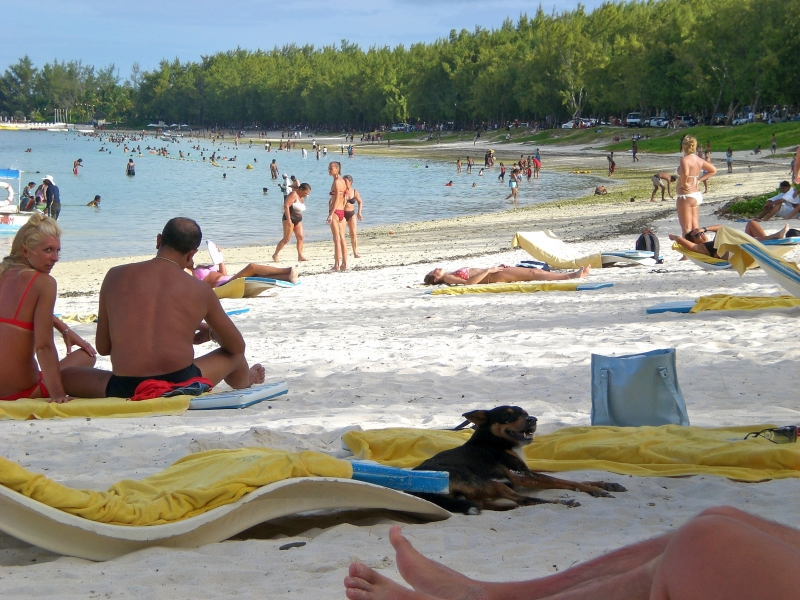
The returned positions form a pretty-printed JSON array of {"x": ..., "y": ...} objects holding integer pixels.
[
  {"x": 293, "y": 208},
  {"x": 27, "y": 297},
  {"x": 75, "y": 165},
  {"x": 130, "y": 168},
  {"x": 691, "y": 171},
  {"x": 336, "y": 216},
  {"x": 352, "y": 197}
]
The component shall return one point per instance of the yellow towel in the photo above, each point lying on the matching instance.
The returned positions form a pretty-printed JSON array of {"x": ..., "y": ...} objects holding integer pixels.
[
  {"x": 497, "y": 288},
  {"x": 666, "y": 451},
  {"x": 697, "y": 256},
  {"x": 233, "y": 289},
  {"x": 730, "y": 240},
  {"x": 724, "y": 302},
  {"x": 78, "y": 318},
  {"x": 545, "y": 246},
  {"x": 26, "y": 409},
  {"x": 191, "y": 486}
]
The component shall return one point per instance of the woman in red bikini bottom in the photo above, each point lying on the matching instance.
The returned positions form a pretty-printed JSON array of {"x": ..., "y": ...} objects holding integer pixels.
[
  {"x": 27, "y": 298},
  {"x": 501, "y": 274},
  {"x": 336, "y": 219}
]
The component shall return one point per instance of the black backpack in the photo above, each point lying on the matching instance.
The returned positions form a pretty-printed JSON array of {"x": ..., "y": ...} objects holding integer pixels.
[{"x": 649, "y": 243}]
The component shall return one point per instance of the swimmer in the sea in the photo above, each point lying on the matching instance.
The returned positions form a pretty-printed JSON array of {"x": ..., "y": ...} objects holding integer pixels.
[{"x": 95, "y": 203}]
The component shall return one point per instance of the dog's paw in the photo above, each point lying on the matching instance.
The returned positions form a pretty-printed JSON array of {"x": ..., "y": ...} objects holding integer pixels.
[
  {"x": 600, "y": 494},
  {"x": 473, "y": 510},
  {"x": 608, "y": 487},
  {"x": 570, "y": 503}
]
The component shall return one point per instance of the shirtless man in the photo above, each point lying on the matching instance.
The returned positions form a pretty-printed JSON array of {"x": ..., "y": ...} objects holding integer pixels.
[
  {"x": 336, "y": 217},
  {"x": 658, "y": 182},
  {"x": 151, "y": 313}
]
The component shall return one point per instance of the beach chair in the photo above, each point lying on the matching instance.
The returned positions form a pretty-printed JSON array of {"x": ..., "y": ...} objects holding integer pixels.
[
  {"x": 717, "y": 302},
  {"x": 547, "y": 247},
  {"x": 249, "y": 287},
  {"x": 709, "y": 263}
]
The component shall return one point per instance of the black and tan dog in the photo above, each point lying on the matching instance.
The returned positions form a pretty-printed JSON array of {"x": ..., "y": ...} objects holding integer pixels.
[{"x": 486, "y": 471}]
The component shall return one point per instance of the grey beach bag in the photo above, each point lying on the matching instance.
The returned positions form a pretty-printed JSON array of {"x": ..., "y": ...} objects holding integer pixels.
[{"x": 636, "y": 390}]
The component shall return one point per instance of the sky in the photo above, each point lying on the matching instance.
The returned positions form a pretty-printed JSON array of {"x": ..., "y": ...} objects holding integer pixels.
[{"x": 145, "y": 31}]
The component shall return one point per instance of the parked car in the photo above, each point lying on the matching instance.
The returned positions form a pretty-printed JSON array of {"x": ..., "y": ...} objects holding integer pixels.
[
  {"x": 741, "y": 120},
  {"x": 634, "y": 119},
  {"x": 568, "y": 125},
  {"x": 685, "y": 120},
  {"x": 719, "y": 119},
  {"x": 400, "y": 127}
]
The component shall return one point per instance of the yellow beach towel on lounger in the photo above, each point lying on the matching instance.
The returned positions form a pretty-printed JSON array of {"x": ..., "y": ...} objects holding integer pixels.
[
  {"x": 27, "y": 408},
  {"x": 193, "y": 485},
  {"x": 704, "y": 258},
  {"x": 730, "y": 240},
  {"x": 497, "y": 288},
  {"x": 666, "y": 451},
  {"x": 235, "y": 288},
  {"x": 725, "y": 302},
  {"x": 547, "y": 247}
]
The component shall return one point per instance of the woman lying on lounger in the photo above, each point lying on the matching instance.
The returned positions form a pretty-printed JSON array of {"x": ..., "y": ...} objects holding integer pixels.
[
  {"x": 217, "y": 275},
  {"x": 501, "y": 274},
  {"x": 27, "y": 297},
  {"x": 696, "y": 240}
]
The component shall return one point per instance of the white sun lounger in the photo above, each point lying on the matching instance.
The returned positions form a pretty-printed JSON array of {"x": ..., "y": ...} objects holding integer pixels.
[
  {"x": 63, "y": 533},
  {"x": 677, "y": 306},
  {"x": 776, "y": 269},
  {"x": 239, "y": 398}
]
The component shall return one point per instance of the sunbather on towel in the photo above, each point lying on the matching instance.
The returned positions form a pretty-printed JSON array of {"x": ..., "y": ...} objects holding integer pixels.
[
  {"x": 501, "y": 274},
  {"x": 150, "y": 315},
  {"x": 217, "y": 275},
  {"x": 721, "y": 554},
  {"x": 696, "y": 240},
  {"x": 27, "y": 297}
]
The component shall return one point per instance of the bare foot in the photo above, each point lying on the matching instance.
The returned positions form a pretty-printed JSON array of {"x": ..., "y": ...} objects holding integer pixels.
[
  {"x": 343, "y": 267},
  {"x": 364, "y": 583},
  {"x": 293, "y": 275},
  {"x": 428, "y": 576},
  {"x": 257, "y": 374},
  {"x": 301, "y": 258},
  {"x": 275, "y": 257},
  {"x": 335, "y": 268},
  {"x": 356, "y": 255},
  {"x": 782, "y": 232},
  {"x": 580, "y": 273}
]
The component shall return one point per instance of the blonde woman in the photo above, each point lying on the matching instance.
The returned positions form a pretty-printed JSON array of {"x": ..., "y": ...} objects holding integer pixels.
[
  {"x": 351, "y": 198},
  {"x": 335, "y": 219},
  {"x": 27, "y": 299},
  {"x": 691, "y": 172}
]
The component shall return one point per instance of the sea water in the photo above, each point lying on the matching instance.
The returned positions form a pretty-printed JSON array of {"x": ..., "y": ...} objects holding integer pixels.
[{"x": 234, "y": 211}]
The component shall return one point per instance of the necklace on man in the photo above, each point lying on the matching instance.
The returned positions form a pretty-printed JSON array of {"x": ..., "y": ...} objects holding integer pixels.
[{"x": 170, "y": 260}]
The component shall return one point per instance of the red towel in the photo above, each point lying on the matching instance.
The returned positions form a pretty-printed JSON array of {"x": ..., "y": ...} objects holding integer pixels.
[{"x": 154, "y": 388}]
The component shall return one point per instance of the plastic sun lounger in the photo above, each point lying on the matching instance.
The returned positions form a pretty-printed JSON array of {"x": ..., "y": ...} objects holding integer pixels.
[
  {"x": 585, "y": 287},
  {"x": 63, "y": 533},
  {"x": 239, "y": 398},
  {"x": 406, "y": 480},
  {"x": 781, "y": 273},
  {"x": 789, "y": 241},
  {"x": 677, "y": 306}
]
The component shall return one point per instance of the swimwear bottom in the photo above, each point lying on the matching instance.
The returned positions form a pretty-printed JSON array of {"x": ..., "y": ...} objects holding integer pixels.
[
  {"x": 295, "y": 218},
  {"x": 27, "y": 393},
  {"x": 349, "y": 214},
  {"x": 657, "y": 181},
  {"x": 120, "y": 386},
  {"x": 340, "y": 214}
]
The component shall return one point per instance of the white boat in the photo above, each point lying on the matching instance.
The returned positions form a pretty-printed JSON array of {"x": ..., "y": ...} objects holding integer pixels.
[{"x": 11, "y": 219}]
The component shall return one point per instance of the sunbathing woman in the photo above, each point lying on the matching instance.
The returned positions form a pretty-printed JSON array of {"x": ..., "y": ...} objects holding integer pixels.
[
  {"x": 27, "y": 298},
  {"x": 696, "y": 240},
  {"x": 217, "y": 275},
  {"x": 501, "y": 274}
]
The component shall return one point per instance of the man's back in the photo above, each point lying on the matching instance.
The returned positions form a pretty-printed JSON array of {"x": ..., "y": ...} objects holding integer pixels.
[{"x": 152, "y": 310}]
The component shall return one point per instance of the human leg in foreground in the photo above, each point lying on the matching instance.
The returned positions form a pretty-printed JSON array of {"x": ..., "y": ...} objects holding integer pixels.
[
  {"x": 723, "y": 554},
  {"x": 517, "y": 274},
  {"x": 755, "y": 230}
]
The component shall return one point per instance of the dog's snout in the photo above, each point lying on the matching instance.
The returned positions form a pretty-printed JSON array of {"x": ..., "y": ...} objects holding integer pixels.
[{"x": 531, "y": 420}]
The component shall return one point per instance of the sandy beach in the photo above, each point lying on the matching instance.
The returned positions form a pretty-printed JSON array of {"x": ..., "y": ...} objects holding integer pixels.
[{"x": 372, "y": 348}]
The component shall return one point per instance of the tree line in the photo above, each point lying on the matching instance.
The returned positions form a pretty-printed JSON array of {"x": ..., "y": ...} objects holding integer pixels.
[{"x": 697, "y": 57}]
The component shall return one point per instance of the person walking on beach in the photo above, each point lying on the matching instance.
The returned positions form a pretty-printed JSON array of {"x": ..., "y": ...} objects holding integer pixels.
[
  {"x": 729, "y": 159},
  {"x": 502, "y": 177},
  {"x": 774, "y": 145},
  {"x": 512, "y": 184},
  {"x": 150, "y": 315},
  {"x": 691, "y": 171},
  {"x": 458, "y": 166},
  {"x": 293, "y": 208},
  {"x": 130, "y": 168},
  {"x": 351, "y": 215},
  {"x": 336, "y": 216},
  {"x": 612, "y": 165},
  {"x": 634, "y": 150}
]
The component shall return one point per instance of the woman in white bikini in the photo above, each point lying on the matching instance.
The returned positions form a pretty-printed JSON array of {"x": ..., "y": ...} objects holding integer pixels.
[{"x": 691, "y": 171}]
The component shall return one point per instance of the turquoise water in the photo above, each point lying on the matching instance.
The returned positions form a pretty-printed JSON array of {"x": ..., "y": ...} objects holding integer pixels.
[{"x": 234, "y": 211}]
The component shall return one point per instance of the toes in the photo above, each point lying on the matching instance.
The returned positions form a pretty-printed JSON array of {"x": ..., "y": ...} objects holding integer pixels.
[{"x": 570, "y": 503}]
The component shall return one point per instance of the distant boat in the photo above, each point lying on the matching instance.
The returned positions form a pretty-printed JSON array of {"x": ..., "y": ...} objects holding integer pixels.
[{"x": 11, "y": 219}]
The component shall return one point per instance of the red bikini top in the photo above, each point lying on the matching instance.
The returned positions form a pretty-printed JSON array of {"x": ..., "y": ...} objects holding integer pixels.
[{"x": 16, "y": 322}]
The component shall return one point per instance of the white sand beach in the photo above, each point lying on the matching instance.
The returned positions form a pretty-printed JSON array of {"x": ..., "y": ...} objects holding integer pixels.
[{"x": 372, "y": 348}]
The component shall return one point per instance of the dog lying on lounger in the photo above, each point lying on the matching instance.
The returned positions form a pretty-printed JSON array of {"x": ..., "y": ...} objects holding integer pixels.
[{"x": 486, "y": 471}]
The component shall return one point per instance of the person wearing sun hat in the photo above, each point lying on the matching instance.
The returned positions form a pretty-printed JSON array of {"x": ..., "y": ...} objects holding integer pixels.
[{"x": 53, "y": 206}]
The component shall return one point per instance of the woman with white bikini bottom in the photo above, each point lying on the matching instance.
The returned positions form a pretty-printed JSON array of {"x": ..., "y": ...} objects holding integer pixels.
[{"x": 691, "y": 171}]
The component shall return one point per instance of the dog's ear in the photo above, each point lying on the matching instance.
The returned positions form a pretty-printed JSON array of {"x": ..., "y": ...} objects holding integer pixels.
[{"x": 479, "y": 417}]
